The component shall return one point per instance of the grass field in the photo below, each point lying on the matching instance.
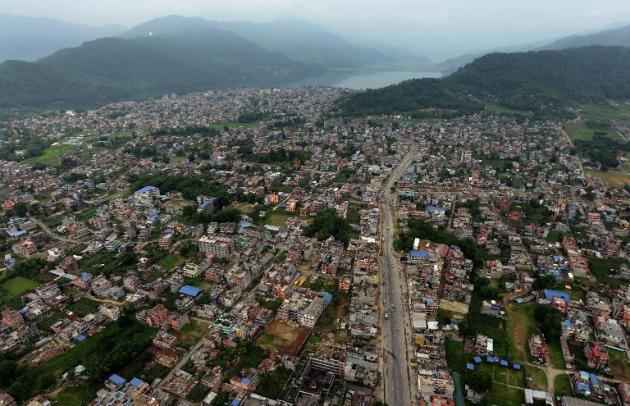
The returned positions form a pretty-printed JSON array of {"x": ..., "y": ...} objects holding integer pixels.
[
  {"x": 87, "y": 214},
  {"x": 83, "y": 307},
  {"x": 500, "y": 394},
  {"x": 77, "y": 393},
  {"x": 562, "y": 385},
  {"x": 555, "y": 354},
  {"x": 607, "y": 113},
  {"x": 192, "y": 332},
  {"x": 537, "y": 378},
  {"x": 578, "y": 130},
  {"x": 601, "y": 268},
  {"x": 614, "y": 179},
  {"x": 277, "y": 335},
  {"x": 506, "y": 376},
  {"x": 45, "y": 323},
  {"x": 454, "y": 352},
  {"x": 169, "y": 261},
  {"x": 505, "y": 396},
  {"x": 19, "y": 285},
  {"x": 50, "y": 156},
  {"x": 619, "y": 366},
  {"x": 276, "y": 219},
  {"x": 520, "y": 326}
]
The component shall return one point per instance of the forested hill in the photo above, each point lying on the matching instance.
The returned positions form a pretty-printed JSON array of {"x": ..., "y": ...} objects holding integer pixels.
[
  {"x": 544, "y": 82},
  {"x": 111, "y": 69}
]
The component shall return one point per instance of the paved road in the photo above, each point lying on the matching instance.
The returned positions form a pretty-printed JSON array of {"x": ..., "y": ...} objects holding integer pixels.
[
  {"x": 52, "y": 235},
  {"x": 396, "y": 383},
  {"x": 181, "y": 363}
]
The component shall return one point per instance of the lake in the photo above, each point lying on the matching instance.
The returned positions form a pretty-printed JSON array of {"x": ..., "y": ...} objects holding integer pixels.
[{"x": 366, "y": 79}]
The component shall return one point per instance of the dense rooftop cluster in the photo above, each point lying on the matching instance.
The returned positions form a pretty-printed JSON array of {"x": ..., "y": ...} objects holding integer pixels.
[{"x": 227, "y": 247}]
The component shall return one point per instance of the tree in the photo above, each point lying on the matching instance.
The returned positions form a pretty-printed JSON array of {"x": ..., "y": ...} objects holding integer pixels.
[
  {"x": 550, "y": 321},
  {"x": 479, "y": 380},
  {"x": 327, "y": 224}
]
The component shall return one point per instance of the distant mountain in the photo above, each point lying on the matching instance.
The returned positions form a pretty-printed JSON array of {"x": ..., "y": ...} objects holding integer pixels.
[
  {"x": 28, "y": 38},
  {"x": 544, "y": 82},
  {"x": 298, "y": 40},
  {"x": 111, "y": 69},
  {"x": 612, "y": 37},
  {"x": 618, "y": 36}
]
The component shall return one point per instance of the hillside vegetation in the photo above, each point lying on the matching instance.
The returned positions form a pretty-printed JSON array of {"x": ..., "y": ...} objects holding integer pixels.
[
  {"x": 546, "y": 83},
  {"x": 112, "y": 69}
]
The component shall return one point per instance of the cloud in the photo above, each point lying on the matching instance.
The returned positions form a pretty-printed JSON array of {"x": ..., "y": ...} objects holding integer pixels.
[{"x": 439, "y": 27}]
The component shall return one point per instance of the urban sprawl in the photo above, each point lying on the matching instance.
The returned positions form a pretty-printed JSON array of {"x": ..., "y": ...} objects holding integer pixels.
[{"x": 249, "y": 247}]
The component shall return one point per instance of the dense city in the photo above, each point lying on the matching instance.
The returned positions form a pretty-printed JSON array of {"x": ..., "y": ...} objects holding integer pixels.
[{"x": 251, "y": 247}]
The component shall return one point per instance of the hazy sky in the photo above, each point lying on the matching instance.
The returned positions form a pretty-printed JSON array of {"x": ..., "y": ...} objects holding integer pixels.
[{"x": 437, "y": 28}]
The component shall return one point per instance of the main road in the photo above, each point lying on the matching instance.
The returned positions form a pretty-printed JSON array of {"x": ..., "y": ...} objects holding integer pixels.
[{"x": 397, "y": 386}]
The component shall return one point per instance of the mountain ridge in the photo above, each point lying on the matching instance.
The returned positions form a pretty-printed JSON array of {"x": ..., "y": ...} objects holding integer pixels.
[
  {"x": 139, "y": 68},
  {"x": 541, "y": 82}
]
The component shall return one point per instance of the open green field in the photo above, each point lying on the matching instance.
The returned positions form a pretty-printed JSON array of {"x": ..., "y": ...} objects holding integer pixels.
[
  {"x": 503, "y": 375},
  {"x": 83, "y": 307},
  {"x": 601, "y": 268},
  {"x": 19, "y": 285},
  {"x": 555, "y": 354},
  {"x": 191, "y": 333},
  {"x": 521, "y": 326},
  {"x": 278, "y": 335},
  {"x": 502, "y": 392},
  {"x": 454, "y": 358},
  {"x": 579, "y": 130},
  {"x": 50, "y": 156},
  {"x": 562, "y": 385},
  {"x": 506, "y": 396},
  {"x": 608, "y": 112},
  {"x": 274, "y": 218},
  {"x": 77, "y": 393},
  {"x": 537, "y": 378},
  {"x": 613, "y": 179},
  {"x": 619, "y": 365},
  {"x": 169, "y": 261},
  {"x": 87, "y": 213}
]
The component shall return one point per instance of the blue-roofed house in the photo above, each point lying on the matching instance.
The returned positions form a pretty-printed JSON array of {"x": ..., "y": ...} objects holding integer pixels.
[
  {"x": 516, "y": 367},
  {"x": 416, "y": 256},
  {"x": 190, "y": 290},
  {"x": 583, "y": 389},
  {"x": 147, "y": 189},
  {"x": 553, "y": 294},
  {"x": 80, "y": 338},
  {"x": 136, "y": 382},
  {"x": 208, "y": 205},
  {"x": 477, "y": 359},
  {"x": 327, "y": 298},
  {"x": 235, "y": 402},
  {"x": 490, "y": 359},
  {"x": 116, "y": 381},
  {"x": 146, "y": 194},
  {"x": 470, "y": 367},
  {"x": 436, "y": 211},
  {"x": 504, "y": 363}
]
